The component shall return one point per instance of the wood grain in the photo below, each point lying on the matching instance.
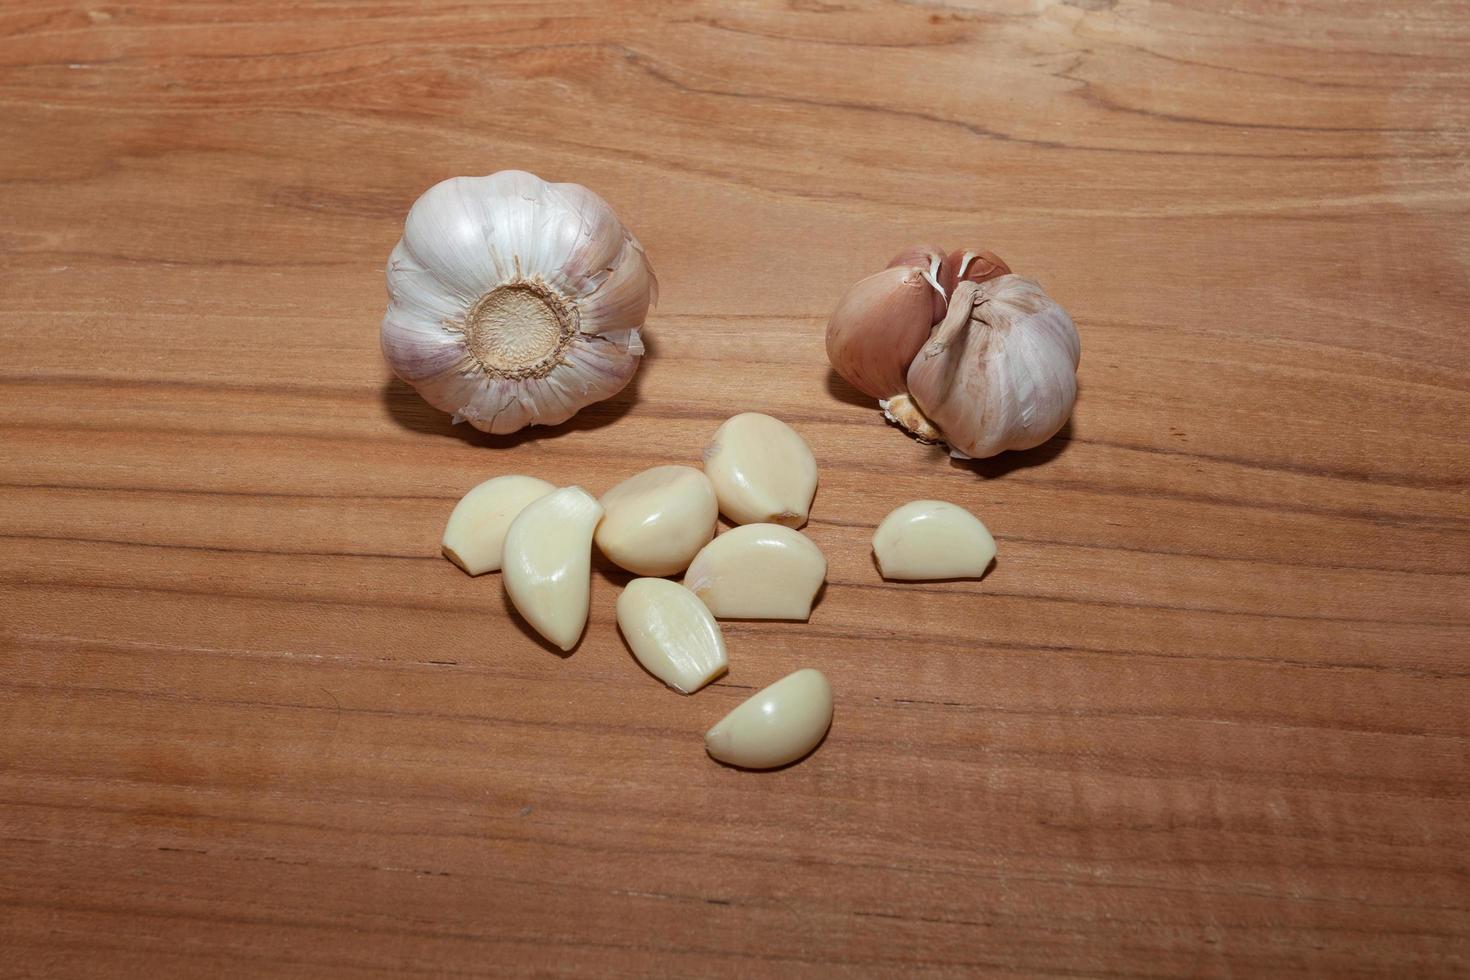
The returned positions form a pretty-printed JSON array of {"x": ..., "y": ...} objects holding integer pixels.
[{"x": 1208, "y": 716}]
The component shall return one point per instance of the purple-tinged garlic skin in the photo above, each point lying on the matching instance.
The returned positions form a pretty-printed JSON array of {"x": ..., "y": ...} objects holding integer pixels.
[
  {"x": 930, "y": 259},
  {"x": 1000, "y": 371},
  {"x": 972, "y": 265},
  {"x": 515, "y": 302},
  {"x": 878, "y": 327},
  {"x": 997, "y": 369}
]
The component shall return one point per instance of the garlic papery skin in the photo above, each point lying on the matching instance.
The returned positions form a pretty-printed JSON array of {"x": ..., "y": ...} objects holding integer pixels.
[
  {"x": 759, "y": 571},
  {"x": 475, "y": 533},
  {"x": 762, "y": 471},
  {"x": 972, "y": 265},
  {"x": 1001, "y": 371},
  {"x": 548, "y": 563},
  {"x": 878, "y": 327},
  {"x": 777, "y": 726},
  {"x": 515, "y": 302},
  {"x": 656, "y": 522},
  {"x": 671, "y": 633},
  {"x": 933, "y": 263},
  {"x": 932, "y": 539}
]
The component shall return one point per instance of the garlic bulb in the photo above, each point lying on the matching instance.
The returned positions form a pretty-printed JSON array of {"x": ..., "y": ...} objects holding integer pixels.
[
  {"x": 1001, "y": 371},
  {"x": 998, "y": 372},
  {"x": 515, "y": 302}
]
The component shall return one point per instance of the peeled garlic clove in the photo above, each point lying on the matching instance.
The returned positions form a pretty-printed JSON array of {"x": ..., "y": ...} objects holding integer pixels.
[
  {"x": 762, "y": 471},
  {"x": 1001, "y": 370},
  {"x": 672, "y": 633},
  {"x": 777, "y": 726},
  {"x": 878, "y": 327},
  {"x": 972, "y": 265},
  {"x": 930, "y": 259},
  {"x": 477, "y": 526},
  {"x": 759, "y": 571},
  {"x": 514, "y": 302},
  {"x": 931, "y": 539},
  {"x": 548, "y": 563},
  {"x": 657, "y": 521}
]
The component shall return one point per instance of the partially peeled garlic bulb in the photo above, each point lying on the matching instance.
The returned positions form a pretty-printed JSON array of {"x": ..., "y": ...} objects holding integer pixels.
[
  {"x": 515, "y": 302},
  {"x": 997, "y": 371}
]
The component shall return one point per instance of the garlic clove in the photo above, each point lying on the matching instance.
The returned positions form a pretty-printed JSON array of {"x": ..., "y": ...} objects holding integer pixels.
[
  {"x": 762, "y": 471},
  {"x": 777, "y": 726},
  {"x": 1001, "y": 371},
  {"x": 758, "y": 571},
  {"x": 932, "y": 539},
  {"x": 935, "y": 265},
  {"x": 475, "y": 533},
  {"x": 657, "y": 521},
  {"x": 514, "y": 302},
  {"x": 671, "y": 633},
  {"x": 878, "y": 327},
  {"x": 621, "y": 298},
  {"x": 972, "y": 265},
  {"x": 548, "y": 563}
]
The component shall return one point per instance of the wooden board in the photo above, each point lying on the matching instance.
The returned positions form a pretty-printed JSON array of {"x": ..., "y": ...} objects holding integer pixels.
[{"x": 1208, "y": 716}]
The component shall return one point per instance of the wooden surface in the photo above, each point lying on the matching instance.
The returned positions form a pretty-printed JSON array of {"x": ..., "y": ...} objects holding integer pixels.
[{"x": 1210, "y": 715}]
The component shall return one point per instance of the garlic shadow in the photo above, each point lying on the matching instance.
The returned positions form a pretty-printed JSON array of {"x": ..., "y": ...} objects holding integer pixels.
[
  {"x": 614, "y": 573},
  {"x": 817, "y": 598},
  {"x": 529, "y": 632},
  {"x": 900, "y": 582},
  {"x": 408, "y": 410},
  {"x": 842, "y": 390},
  {"x": 1009, "y": 462}
]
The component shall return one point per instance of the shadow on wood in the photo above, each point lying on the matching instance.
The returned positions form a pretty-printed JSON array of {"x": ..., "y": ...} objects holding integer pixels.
[
  {"x": 1009, "y": 462},
  {"x": 529, "y": 631},
  {"x": 842, "y": 390}
]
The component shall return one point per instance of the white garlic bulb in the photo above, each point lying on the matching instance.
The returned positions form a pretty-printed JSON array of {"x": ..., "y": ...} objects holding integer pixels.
[
  {"x": 515, "y": 302},
  {"x": 1001, "y": 371},
  {"x": 998, "y": 372}
]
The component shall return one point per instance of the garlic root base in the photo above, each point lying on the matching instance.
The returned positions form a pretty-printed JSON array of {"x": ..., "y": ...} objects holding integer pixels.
[{"x": 901, "y": 411}]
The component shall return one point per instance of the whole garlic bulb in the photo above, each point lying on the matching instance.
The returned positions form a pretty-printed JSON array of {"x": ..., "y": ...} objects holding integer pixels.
[
  {"x": 998, "y": 372},
  {"x": 515, "y": 302},
  {"x": 1001, "y": 371}
]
